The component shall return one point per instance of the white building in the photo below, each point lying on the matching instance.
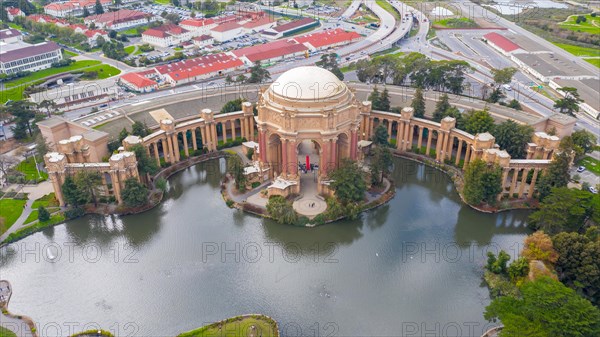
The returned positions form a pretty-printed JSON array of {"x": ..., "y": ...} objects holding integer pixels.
[
  {"x": 74, "y": 7},
  {"x": 19, "y": 56},
  {"x": 13, "y": 12},
  {"x": 10, "y": 35},
  {"x": 198, "y": 26},
  {"x": 227, "y": 31},
  {"x": 166, "y": 35},
  {"x": 121, "y": 19}
]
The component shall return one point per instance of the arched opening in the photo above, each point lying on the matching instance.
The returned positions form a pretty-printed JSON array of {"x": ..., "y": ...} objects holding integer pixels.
[{"x": 343, "y": 145}]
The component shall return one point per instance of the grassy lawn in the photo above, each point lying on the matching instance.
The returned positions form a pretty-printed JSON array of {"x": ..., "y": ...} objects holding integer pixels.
[
  {"x": 55, "y": 219},
  {"x": 585, "y": 27},
  {"x": 68, "y": 54},
  {"x": 236, "y": 327},
  {"x": 49, "y": 200},
  {"x": 38, "y": 75},
  {"x": 129, "y": 49},
  {"x": 579, "y": 51},
  {"x": 595, "y": 62},
  {"x": 162, "y": 2},
  {"x": 10, "y": 211},
  {"x": 4, "y": 332},
  {"x": 388, "y": 7},
  {"x": 590, "y": 164},
  {"x": 27, "y": 167},
  {"x": 456, "y": 23},
  {"x": 104, "y": 71}
]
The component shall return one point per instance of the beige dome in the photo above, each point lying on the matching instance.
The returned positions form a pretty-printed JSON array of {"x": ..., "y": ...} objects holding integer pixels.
[{"x": 307, "y": 83}]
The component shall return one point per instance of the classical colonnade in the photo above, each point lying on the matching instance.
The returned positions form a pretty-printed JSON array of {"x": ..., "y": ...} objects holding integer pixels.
[{"x": 205, "y": 132}]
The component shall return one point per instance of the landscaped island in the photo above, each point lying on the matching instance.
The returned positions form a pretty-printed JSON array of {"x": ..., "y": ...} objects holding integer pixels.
[{"x": 239, "y": 326}]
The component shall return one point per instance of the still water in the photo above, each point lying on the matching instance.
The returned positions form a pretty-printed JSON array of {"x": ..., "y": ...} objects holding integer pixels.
[{"x": 411, "y": 267}]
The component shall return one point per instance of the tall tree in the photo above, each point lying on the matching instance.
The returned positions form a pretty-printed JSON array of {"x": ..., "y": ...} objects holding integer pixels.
[
  {"x": 418, "y": 103},
  {"x": 578, "y": 264},
  {"x": 348, "y": 182},
  {"x": 556, "y": 175},
  {"x": 380, "y": 135},
  {"x": 134, "y": 193},
  {"x": 281, "y": 210},
  {"x": 482, "y": 182},
  {"x": 569, "y": 104},
  {"x": 86, "y": 12},
  {"x": 440, "y": 107},
  {"x": 140, "y": 129},
  {"x": 546, "y": 308},
  {"x": 513, "y": 138},
  {"x": 384, "y": 101},
  {"x": 584, "y": 141},
  {"x": 381, "y": 164},
  {"x": 71, "y": 193},
  {"x": 329, "y": 62},
  {"x": 236, "y": 169},
  {"x": 566, "y": 210},
  {"x": 23, "y": 111},
  {"x": 98, "y": 9},
  {"x": 146, "y": 165},
  {"x": 88, "y": 184},
  {"x": 503, "y": 76},
  {"x": 478, "y": 121},
  {"x": 374, "y": 97},
  {"x": 258, "y": 74}
]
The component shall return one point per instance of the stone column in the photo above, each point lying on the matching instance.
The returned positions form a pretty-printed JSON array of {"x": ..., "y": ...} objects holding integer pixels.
[
  {"x": 334, "y": 154},
  {"x": 170, "y": 150},
  {"x": 116, "y": 186},
  {"x": 523, "y": 181},
  {"x": 262, "y": 146},
  {"x": 353, "y": 144},
  {"x": 503, "y": 182},
  {"x": 284, "y": 159},
  {"x": 203, "y": 138},
  {"x": 389, "y": 130},
  {"x": 449, "y": 146},
  {"x": 420, "y": 139},
  {"x": 439, "y": 145},
  {"x": 214, "y": 138},
  {"x": 233, "y": 137},
  {"x": 458, "y": 152},
  {"x": 175, "y": 147},
  {"x": 194, "y": 140},
  {"x": 185, "y": 144},
  {"x": 244, "y": 128},
  {"x": 513, "y": 183},
  {"x": 400, "y": 136},
  {"x": 155, "y": 148},
  {"x": 324, "y": 157},
  {"x": 532, "y": 183},
  {"x": 467, "y": 156},
  {"x": 293, "y": 158},
  {"x": 57, "y": 184},
  {"x": 408, "y": 134},
  {"x": 251, "y": 128},
  {"x": 429, "y": 138}
]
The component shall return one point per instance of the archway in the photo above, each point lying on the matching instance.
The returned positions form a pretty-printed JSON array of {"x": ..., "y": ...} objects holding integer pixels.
[
  {"x": 274, "y": 156},
  {"x": 343, "y": 147}
]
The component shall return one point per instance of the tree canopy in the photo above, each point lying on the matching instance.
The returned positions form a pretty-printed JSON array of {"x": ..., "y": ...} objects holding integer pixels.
[
  {"x": 546, "y": 308},
  {"x": 556, "y": 175},
  {"x": 330, "y": 62},
  {"x": 348, "y": 182},
  {"x": 504, "y": 75},
  {"x": 569, "y": 104},
  {"x": 513, "y": 138},
  {"x": 134, "y": 193},
  {"x": 482, "y": 182},
  {"x": 478, "y": 121},
  {"x": 418, "y": 103},
  {"x": 281, "y": 210}
]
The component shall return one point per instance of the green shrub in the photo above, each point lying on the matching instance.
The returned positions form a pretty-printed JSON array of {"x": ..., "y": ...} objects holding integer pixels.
[
  {"x": 74, "y": 213},
  {"x": 43, "y": 214},
  {"x": 255, "y": 184}
]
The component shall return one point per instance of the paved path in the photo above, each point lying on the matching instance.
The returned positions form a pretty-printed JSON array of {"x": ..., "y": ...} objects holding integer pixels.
[
  {"x": 18, "y": 326},
  {"x": 35, "y": 192}
]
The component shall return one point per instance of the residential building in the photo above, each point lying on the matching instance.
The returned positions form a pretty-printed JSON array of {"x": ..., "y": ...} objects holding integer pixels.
[
  {"x": 13, "y": 12},
  {"x": 10, "y": 35},
  {"x": 138, "y": 82},
  {"x": 166, "y": 35},
  {"x": 198, "y": 26},
  {"x": 203, "y": 40},
  {"x": 289, "y": 28},
  {"x": 74, "y": 7},
  {"x": 93, "y": 35},
  {"x": 191, "y": 70},
  {"x": 41, "y": 18},
  {"x": 27, "y": 57},
  {"x": 270, "y": 52},
  {"x": 227, "y": 31}
]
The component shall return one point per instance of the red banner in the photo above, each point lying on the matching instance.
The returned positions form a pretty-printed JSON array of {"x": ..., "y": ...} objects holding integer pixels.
[{"x": 307, "y": 162}]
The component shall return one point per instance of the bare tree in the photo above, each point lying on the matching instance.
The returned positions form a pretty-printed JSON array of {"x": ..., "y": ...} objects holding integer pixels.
[{"x": 6, "y": 163}]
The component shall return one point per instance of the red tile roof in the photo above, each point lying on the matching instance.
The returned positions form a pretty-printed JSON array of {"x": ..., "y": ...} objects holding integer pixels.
[
  {"x": 10, "y": 32},
  {"x": 502, "y": 42},
  {"x": 197, "y": 22},
  {"x": 165, "y": 30},
  {"x": 328, "y": 37},
  {"x": 36, "y": 49},
  {"x": 202, "y": 38},
  {"x": 224, "y": 27},
  {"x": 212, "y": 58},
  {"x": 91, "y": 33},
  {"x": 204, "y": 69},
  {"x": 270, "y": 50},
  {"x": 257, "y": 23},
  {"x": 122, "y": 15},
  {"x": 13, "y": 10},
  {"x": 294, "y": 24},
  {"x": 138, "y": 80}
]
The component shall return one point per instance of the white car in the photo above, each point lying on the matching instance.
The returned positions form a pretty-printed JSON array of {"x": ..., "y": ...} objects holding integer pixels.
[
  {"x": 507, "y": 87},
  {"x": 593, "y": 190}
]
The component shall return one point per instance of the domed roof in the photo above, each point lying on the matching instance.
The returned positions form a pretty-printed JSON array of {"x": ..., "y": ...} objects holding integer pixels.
[{"x": 305, "y": 83}]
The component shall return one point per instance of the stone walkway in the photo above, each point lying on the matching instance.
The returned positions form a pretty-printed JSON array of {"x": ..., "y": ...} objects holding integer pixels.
[
  {"x": 16, "y": 325},
  {"x": 310, "y": 204}
]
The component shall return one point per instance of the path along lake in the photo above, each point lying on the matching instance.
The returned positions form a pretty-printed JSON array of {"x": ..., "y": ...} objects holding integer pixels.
[{"x": 413, "y": 266}]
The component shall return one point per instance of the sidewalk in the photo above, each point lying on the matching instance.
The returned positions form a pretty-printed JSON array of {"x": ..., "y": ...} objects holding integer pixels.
[{"x": 35, "y": 192}]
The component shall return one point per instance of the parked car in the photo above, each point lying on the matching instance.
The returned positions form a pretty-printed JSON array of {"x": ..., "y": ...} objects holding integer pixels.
[
  {"x": 580, "y": 169},
  {"x": 593, "y": 190}
]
